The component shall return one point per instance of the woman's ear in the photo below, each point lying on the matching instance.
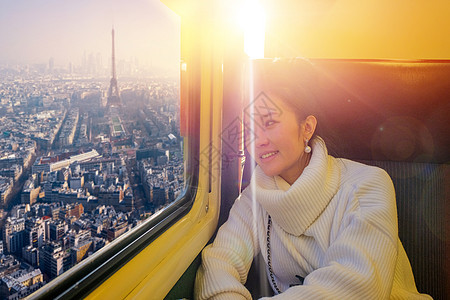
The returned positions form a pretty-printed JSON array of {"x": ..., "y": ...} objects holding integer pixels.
[{"x": 310, "y": 124}]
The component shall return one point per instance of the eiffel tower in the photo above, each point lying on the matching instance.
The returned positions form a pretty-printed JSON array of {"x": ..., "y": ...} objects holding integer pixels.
[{"x": 113, "y": 92}]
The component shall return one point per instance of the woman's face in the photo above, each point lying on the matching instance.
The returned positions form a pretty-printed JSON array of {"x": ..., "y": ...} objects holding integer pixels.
[{"x": 276, "y": 141}]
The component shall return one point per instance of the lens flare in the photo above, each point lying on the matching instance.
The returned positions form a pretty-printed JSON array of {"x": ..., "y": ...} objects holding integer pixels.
[{"x": 252, "y": 20}]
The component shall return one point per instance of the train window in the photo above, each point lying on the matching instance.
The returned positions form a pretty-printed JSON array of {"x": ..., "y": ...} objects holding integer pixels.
[{"x": 96, "y": 156}]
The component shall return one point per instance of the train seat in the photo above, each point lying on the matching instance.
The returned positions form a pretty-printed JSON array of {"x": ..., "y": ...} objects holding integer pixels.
[{"x": 392, "y": 114}]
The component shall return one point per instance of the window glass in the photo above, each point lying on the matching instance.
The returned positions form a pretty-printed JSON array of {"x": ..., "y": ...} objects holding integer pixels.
[{"x": 90, "y": 144}]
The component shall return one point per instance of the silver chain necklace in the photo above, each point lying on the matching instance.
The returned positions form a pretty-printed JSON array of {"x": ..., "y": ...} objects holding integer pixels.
[{"x": 269, "y": 257}]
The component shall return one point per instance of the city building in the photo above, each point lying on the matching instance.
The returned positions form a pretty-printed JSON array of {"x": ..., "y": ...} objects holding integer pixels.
[
  {"x": 52, "y": 259},
  {"x": 13, "y": 235},
  {"x": 20, "y": 284}
]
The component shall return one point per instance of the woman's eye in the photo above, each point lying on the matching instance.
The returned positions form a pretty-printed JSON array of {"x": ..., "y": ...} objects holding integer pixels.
[{"x": 269, "y": 123}]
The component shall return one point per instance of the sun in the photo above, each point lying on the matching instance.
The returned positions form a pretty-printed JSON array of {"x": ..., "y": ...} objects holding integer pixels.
[{"x": 252, "y": 20}]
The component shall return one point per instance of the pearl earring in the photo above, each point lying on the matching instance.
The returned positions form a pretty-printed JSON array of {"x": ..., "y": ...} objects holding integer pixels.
[{"x": 307, "y": 147}]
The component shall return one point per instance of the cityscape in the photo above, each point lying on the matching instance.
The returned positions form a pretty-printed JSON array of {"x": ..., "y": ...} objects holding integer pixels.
[{"x": 84, "y": 159}]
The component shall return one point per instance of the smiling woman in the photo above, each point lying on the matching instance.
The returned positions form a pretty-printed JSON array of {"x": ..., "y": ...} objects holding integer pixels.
[
  {"x": 272, "y": 151},
  {"x": 330, "y": 222}
]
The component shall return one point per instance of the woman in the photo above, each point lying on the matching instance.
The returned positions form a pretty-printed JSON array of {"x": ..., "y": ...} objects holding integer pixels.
[{"x": 326, "y": 227}]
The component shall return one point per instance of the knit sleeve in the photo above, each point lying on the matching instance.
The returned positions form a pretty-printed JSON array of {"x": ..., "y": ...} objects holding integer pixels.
[
  {"x": 226, "y": 262},
  {"x": 360, "y": 260}
]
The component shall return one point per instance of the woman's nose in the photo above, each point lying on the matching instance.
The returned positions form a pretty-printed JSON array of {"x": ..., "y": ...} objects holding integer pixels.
[{"x": 260, "y": 137}]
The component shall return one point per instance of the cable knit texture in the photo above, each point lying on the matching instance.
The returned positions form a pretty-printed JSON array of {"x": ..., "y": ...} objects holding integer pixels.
[{"x": 335, "y": 226}]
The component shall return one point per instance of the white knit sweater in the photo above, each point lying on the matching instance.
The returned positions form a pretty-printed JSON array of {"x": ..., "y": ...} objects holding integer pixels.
[{"x": 336, "y": 227}]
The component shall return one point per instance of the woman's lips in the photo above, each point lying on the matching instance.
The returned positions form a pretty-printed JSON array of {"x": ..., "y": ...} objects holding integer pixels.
[{"x": 268, "y": 155}]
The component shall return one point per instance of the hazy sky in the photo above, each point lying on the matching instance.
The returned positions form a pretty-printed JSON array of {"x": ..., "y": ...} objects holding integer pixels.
[{"x": 33, "y": 31}]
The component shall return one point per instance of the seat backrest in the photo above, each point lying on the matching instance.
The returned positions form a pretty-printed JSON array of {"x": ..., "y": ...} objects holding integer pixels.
[{"x": 421, "y": 205}]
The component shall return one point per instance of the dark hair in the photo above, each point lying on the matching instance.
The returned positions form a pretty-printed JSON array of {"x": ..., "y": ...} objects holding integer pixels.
[{"x": 296, "y": 83}]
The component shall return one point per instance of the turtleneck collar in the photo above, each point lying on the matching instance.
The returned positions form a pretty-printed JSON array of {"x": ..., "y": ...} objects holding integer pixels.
[{"x": 296, "y": 207}]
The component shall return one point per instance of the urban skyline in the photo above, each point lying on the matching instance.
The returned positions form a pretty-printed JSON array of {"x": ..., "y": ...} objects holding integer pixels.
[
  {"x": 76, "y": 170},
  {"x": 76, "y": 173},
  {"x": 71, "y": 33}
]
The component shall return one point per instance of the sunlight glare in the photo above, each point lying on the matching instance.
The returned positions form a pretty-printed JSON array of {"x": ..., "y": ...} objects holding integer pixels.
[{"x": 252, "y": 20}]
